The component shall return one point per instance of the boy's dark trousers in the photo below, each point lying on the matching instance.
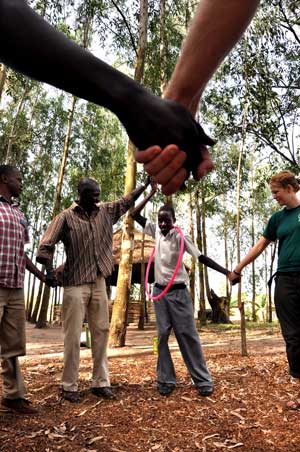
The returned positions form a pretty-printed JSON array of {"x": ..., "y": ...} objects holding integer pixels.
[{"x": 175, "y": 310}]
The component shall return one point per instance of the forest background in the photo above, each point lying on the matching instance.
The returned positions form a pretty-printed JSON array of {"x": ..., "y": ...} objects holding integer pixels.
[{"x": 251, "y": 107}]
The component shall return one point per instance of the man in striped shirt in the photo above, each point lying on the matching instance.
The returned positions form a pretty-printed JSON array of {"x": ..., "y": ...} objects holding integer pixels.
[
  {"x": 13, "y": 261},
  {"x": 86, "y": 230}
]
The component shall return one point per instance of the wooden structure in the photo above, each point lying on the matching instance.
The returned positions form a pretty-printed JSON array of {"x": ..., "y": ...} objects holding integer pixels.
[{"x": 136, "y": 259}]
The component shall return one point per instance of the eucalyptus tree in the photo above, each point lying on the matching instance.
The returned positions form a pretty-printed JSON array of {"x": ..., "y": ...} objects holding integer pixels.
[{"x": 121, "y": 303}]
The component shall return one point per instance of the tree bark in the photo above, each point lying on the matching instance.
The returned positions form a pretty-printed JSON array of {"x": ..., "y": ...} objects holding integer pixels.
[
  {"x": 120, "y": 308},
  {"x": 193, "y": 264},
  {"x": 241, "y": 303},
  {"x": 43, "y": 313},
  {"x": 201, "y": 314},
  {"x": 3, "y": 75}
]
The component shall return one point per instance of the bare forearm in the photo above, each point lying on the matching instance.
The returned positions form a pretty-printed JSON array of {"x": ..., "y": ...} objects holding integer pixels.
[
  {"x": 32, "y": 46},
  {"x": 217, "y": 26},
  {"x": 34, "y": 270},
  {"x": 257, "y": 249}
]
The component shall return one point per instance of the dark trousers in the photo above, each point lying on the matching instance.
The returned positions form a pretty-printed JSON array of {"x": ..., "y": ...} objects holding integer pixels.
[
  {"x": 175, "y": 310},
  {"x": 287, "y": 304}
]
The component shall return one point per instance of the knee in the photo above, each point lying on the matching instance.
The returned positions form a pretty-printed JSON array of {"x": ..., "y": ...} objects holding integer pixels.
[{"x": 163, "y": 336}]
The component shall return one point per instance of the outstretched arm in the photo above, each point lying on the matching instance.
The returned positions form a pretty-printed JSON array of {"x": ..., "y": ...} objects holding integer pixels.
[
  {"x": 212, "y": 264},
  {"x": 255, "y": 251},
  {"x": 32, "y": 46}
]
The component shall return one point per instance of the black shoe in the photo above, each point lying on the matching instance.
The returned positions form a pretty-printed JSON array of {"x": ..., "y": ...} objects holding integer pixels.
[
  {"x": 70, "y": 396},
  {"x": 104, "y": 392},
  {"x": 18, "y": 406},
  {"x": 205, "y": 391},
  {"x": 165, "y": 389}
]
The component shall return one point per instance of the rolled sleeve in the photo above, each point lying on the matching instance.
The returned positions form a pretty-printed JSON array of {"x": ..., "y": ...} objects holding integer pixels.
[
  {"x": 117, "y": 208},
  {"x": 51, "y": 237}
]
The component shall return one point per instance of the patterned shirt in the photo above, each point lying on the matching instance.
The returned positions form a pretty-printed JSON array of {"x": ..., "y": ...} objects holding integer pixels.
[
  {"x": 166, "y": 254},
  {"x": 13, "y": 236},
  {"x": 88, "y": 240}
]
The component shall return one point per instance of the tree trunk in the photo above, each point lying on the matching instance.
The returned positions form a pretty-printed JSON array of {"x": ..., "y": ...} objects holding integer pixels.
[
  {"x": 3, "y": 74},
  {"x": 120, "y": 308},
  {"x": 201, "y": 314},
  {"x": 143, "y": 307},
  {"x": 220, "y": 308},
  {"x": 10, "y": 159},
  {"x": 193, "y": 264},
  {"x": 273, "y": 254},
  {"x": 42, "y": 318},
  {"x": 228, "y": 285},
  {"x": 254, "y": 316},
  {"x": 241, "y": 303},
  {"x": 204, "y": 243},
  {"x": 162, "y": 44}
]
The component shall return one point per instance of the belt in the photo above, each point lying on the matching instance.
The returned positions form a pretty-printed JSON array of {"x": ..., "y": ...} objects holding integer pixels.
[
  {"x": 173, "y": 287},
  {"x": 289, "y": 274}
]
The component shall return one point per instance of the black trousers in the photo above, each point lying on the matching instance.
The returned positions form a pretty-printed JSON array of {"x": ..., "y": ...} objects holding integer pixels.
[{"x": 287, "y": 304}]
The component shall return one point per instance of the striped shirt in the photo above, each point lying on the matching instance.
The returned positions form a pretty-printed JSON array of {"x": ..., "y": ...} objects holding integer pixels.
[
  {"x": 88, "y": 240},
  {"x": 167, "y": 252},
  {"x": 13, "y": 236}
]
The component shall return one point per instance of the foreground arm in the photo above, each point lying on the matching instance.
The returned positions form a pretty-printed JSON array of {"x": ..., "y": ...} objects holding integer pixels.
[
  {"x": 32, "y": 46},
  {"x": 216, "y": 28}
]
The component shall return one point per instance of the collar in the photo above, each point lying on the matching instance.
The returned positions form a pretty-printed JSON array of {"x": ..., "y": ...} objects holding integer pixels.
[
  {"x": 76, "y": 206},
  {"x": 11, "y": 203}
]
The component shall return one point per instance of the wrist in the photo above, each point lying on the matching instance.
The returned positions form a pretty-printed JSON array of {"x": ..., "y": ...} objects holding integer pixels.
[{"x": 237, "y": 272}]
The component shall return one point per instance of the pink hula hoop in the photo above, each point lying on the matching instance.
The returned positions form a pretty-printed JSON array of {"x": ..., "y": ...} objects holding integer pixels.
[{"x": 181, "y": 251}]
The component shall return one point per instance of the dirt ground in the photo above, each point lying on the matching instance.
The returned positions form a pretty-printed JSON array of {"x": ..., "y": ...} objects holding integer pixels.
[{"x": 247, "y": 411}]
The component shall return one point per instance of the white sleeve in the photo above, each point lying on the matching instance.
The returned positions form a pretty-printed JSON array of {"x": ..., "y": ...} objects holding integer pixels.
[
  {"x": 190, "y": 247},
  {"x": 150, "y": 229}
]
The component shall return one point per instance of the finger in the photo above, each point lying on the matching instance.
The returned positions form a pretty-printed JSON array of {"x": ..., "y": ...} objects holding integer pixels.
[
  {"x": 171, "y": 169},
  {"x": 147, "y": 155},
  {"x": 175, "y": 183},
  {"x": 206, "y": 165},
  {"x": 163, "y": 160}
]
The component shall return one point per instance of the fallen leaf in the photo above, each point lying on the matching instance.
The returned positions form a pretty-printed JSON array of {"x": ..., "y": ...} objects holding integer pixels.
[
  {"x": 235, "y": 445},
  {"x": 93, "y": 440}
]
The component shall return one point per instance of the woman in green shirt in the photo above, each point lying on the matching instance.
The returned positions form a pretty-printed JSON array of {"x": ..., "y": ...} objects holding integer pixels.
[{"x": 284, "y": 226}]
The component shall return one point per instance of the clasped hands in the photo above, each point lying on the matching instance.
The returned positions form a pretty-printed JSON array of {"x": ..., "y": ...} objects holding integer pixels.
[{"x": 180, "y": 142}]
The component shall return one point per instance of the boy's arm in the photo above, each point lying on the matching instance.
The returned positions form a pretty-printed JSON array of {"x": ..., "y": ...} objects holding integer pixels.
[
  {"x": 212, "y": 264},
  {"x": 136, "y": 213}
]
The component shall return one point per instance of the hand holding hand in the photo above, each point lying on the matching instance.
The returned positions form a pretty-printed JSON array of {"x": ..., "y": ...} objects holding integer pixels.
[
  {"x": 51, "y": 279},
  {"x": 164, "y": 123},
  {"x": 234, "y": 278}
]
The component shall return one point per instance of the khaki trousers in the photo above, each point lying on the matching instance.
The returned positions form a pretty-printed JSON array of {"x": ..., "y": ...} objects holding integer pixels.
[
  {"x": 88, "y": 300},
  {"x": 12, "y": 341}
]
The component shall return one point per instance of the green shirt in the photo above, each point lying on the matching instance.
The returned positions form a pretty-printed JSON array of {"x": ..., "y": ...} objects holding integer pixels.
[{"x": 285, "y": 226}]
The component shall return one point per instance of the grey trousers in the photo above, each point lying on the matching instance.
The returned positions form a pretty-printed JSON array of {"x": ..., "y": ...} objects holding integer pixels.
[
  {"x": 175, "y": 310},
  {"x": 12, "y": 341},
  {"x": 78, "y": 301}
]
